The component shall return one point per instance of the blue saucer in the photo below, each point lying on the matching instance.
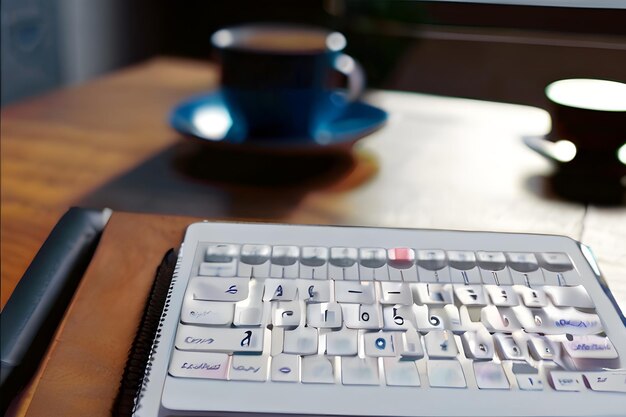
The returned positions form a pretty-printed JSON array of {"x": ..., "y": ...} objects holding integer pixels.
[{"x": 207, "y": 119}]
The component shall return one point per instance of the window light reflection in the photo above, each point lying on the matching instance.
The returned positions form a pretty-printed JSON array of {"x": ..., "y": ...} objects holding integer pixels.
[{"x": 212, "y": 122}]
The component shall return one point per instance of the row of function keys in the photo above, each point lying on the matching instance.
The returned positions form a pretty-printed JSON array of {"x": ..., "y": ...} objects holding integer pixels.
[{"x": 396, "y": 264}]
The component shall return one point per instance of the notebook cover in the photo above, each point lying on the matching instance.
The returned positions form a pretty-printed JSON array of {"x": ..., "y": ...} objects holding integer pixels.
[{"x": 82, "y": 372}]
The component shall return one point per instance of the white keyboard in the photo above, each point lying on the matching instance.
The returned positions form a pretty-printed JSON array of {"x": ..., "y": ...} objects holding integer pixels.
[{"x": 313, "y": 320}]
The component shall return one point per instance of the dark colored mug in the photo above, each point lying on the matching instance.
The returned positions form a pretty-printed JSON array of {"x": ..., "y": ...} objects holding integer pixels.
[{"x": 278, "y": 79}]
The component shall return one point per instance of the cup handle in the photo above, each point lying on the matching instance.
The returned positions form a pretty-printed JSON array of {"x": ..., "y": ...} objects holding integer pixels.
[{"x": 349, "y": 67}]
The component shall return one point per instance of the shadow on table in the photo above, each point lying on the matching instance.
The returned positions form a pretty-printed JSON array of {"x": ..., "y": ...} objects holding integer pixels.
[{"x": 185, "y": 179}]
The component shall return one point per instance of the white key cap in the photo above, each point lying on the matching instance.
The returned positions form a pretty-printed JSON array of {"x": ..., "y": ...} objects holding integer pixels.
[
  {"x": 219, "y": 339},
  {"x": 277, "y": 340},
  {"x": 324, "y": 315},
  {"x": 249, "y": 312},
  {"x": 590, "y": 347},
  {"x": 343, "y": 342},
  {"x": 284, "y": 262},
  {"x": 373, "y": 264},
  {"x": 432, "y": 293},
  {"x": 528, "y": 378},
  {"x": 401, "y": 373},
  {"x": 398, "y": 318},
  {"x": 502, "y": 295},
  {"x": 317, "y": 370},
  {"x": 569, "y": 296},
  {"x": 531, "y": 297},
  {"x": 555, "y": 262},
  {"x": 478, "y": 345},
  {"x": 206, "y": 312},
  {"x": 219, "y": 289},
  {"x": 606, "y": 381},
  {"x": 541, "y": 348},
  {"x": 314, "y": 262},
  {"x": 285, "y": 368},
  {"x": 221, "y": 253},
  {"x": 499, "y": 319},
  {"x": 470, "y": 295},
  {"x": 286, "y": 314},
  {"x": 440, "y": 344},
  {"x": 300, "y": 341},
  {"x": 359, "y": 371},
  {"x": 411, "y": 346},
  {"x": 362, "y": 316},
  {"x": 555, "y": 320},
  {"x": 507, "y": 347},
  {"x": 280, "y": 290},
  {"x": 427, "y": 320},
  {"x": 452, "y": 318},
  {"x": 215, "y": 269},
  {"x": 567, "y": 381},
  {"x": 396, "y": 293},
  {"x": 522, "y": 262},
  {"x": 314, "y": 291},
  {"x": 254, "y": 261},
  {"x": 446, "y": 374},
  {"x": 198, "y": 365},
  {"x": 355, "y": 292},
  {"x": 490, "y": 375},
  {"x": 380, "y": 343},
  {"x": 248, "y": 368}
]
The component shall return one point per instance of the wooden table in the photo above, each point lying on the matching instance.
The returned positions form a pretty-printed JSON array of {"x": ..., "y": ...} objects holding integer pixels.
[{"x": 439, "y": 163}]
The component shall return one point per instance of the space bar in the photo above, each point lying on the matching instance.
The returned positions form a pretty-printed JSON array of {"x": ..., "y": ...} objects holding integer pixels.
[{"x": 207, "y": 339}]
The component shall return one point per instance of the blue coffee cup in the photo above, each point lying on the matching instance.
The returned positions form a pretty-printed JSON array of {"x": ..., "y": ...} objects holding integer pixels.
[{"x": 280, "y": 82}]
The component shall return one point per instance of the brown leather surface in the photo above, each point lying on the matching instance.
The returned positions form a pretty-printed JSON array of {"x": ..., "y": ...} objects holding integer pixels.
[{"x": 84, "y": 366}]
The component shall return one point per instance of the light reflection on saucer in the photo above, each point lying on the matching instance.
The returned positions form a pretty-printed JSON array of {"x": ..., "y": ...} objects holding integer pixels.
[{"x": 211, "y": 122}]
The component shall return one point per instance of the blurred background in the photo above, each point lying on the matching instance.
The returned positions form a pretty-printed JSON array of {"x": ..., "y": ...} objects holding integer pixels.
[{"x": 500, "y": 50}]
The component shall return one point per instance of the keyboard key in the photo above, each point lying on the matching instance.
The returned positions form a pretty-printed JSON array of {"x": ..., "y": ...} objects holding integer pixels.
[
  {"x": 248, "y": 368},
  {"x": 445, "y": 374},
  {"x": 314, "y": 262},
  {"x": 219, "y": 289},
  {"x": 606, "y": 381},
  {"x": 359, "y": 371},
  {"x": 491, "y": 261},
  {"x": 380, "y": 343},
  {"x": 285, "y": 368},
  {"x": 284, "y": 262},
  {"x": 527, "y": 279},
  {"x": 522, "y": 262},
  {"x": 198, "y": 365},
  {"x": 372, "y": 258},
  {"x": 300, "y": 341},
  {"x": 280, "y": 290},
  {"x": 343, "y": 342},
  {"x": 555, "y": 262},
  {"x": 465, "y": 276},
  {"x": 343, "y": 257},
  {"x": 470, "y": 295},
  {"x": 207, "y": 312},
  {"x": 249, "y": 312},
  {"x": 437, "y": 294},
  {"x": 490, "y": 375},
  {"x": 427, "y": 319},
  {"x": 531, "y": 297},
  {"x": 362, "y": 316},
  {"x": 478, "y": 345},
  {"x": 502, "y": 295},
  {"x": 221, "y": 253},
  {"x": 590, "y": 347},
  {"x": 286, "y": 314},
  {"x": 314, "y": 291},
  {"x": 401, "y": 258},
  {"x": 355, "y": 292},
  {"x": 411, "y": 346},
  {"x": 255, "y": 261},
  {"x": 567, "y": 381},
  {"x": 324, "y": 316},
  {"x": 317, "y": 370},
  {"x": 507, "y": 347},
  {"x": 462, "y": 260},
  {"x": 499, "y": 277},
  {"x": 440, "y": 344},
  {"x": 527, "y": 377},
  {"x": 401, "y": 373},
  {"x": 209, "y": 269},
  {"x": 541, "y": 348},
  {"x": 499, "y": 319},
  {"x": 432, "y": 259},
  {"x": 569, "y": 296},
  {"x": 398, "y": 318},
  {"x": 396, "y": 293},
  {"x": 556, "y": 320},
  {"x": 219, "y": 339}
]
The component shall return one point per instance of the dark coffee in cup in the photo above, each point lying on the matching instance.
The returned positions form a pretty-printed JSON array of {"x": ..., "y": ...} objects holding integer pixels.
[{"x": 278, "y": 79}]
